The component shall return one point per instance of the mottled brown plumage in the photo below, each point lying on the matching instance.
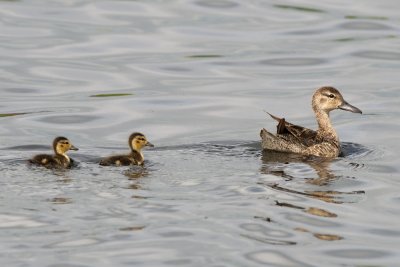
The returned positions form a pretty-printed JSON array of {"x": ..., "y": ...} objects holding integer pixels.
[
  {"x": 136, "y": 142},
  {"x": 296, "y": 139},
  {"x": 60, "y": 159}
]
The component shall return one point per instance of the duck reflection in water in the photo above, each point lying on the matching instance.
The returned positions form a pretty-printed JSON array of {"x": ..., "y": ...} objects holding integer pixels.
[
  {"x": 134, "y": 175},
  {"x": 136, "y": 172},
  {"x": 276, "y": 163}
]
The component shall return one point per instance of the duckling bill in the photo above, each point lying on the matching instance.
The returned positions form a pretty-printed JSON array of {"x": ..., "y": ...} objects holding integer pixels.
[
  {"x": 323, "y": 142},
  {"x": 60, "y": 159},
  {"x": 137, "y": 141}
]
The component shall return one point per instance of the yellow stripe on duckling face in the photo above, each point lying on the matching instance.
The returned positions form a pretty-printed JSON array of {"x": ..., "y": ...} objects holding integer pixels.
[
  {"x": 63, "y": 146},
  {"x": 139, "y": 142}
]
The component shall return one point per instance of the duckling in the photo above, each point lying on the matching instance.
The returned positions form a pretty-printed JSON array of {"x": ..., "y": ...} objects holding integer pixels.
[
  {"x": 60, "y": 160},
  {"x": 136, "y": 142},
  {"x": 296, "y": 139}
]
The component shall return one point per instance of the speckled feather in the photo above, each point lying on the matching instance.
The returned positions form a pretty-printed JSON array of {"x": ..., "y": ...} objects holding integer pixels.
[
  {"x": 59, "y": 159},
  {"x": 51, "y": 161},
  {"x": 134, "y": 158}
]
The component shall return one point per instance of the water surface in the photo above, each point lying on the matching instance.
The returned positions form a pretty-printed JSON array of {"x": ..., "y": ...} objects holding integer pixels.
[{"x": 196, "y": 77}]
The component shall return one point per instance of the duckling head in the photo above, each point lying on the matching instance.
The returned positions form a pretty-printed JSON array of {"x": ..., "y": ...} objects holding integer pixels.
[
  {"x": 137, "y": 141},
  {"x": 61, "y": 145},
  {"x": 329, "y": 98}
]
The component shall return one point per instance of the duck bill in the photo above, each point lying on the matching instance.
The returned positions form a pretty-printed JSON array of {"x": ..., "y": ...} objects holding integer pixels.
[
  {"x": 73, "y": 148},
  {"x": 149, "y": 144},
  {"x": 346, "y": 106}
]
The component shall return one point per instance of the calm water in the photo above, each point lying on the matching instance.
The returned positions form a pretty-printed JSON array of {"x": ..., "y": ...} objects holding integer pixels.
[{"x": 199, "y": 75}]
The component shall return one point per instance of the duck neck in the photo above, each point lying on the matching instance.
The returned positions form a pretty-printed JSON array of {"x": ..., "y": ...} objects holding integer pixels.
[
  {"x": 137, "y": 151},
  {"x": 325, "y": 128},
  {"x": 62, "y": 154}
]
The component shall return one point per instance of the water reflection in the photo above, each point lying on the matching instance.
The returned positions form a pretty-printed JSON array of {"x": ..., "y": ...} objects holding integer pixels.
[
  {"x": 60, "y": 200},
  {"x": 311, "y": 210},
  {"x": 278, "y": 164},
  {"x": 325, "y": 237},
  {"x": 288, "y": 62},
  {"x": 363, "y": 25},
  {"x": 316, "y": 212},
  {"x": 266, "y": 234},
  {"x": 275, "y": 258},
  {"x": 216, "y": 4},
  {"x": 63, "y": 176},
  {"x": 199, "y": 71},
  {"x": 132, "y": 228},
  {"x": 275, "y": 163},
  {"x": 136, "y": 172},
  {"x": 134, "y": 175}
]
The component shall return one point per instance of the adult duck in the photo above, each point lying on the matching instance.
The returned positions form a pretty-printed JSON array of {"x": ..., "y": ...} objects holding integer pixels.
[{"x": 323, "y": 142}]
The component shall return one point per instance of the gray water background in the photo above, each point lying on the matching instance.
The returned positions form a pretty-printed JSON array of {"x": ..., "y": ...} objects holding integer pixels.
[{"x": 199, "y": 75}]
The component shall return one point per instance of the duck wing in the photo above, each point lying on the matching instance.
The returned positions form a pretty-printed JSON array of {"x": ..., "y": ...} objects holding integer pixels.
[
  {"x": 42, "y": 159},
  {"x": 291, "y": 131},
  {"x": 48, "y": 161},
  {"x": 282, "y": 143},
  {"x": 117, "y": 160},
  {"x": 134, "y": 158}
]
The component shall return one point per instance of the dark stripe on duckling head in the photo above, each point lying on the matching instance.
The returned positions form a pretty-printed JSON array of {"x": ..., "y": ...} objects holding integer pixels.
[
  {"x": 137, "y": 141},
  {"x": 65, "y": 144},
  {"x": 57, "y": 140},
  {"x": 133, "y": 136}
]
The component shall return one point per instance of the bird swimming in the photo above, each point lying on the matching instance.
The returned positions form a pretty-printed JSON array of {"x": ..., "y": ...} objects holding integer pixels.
[
  {"x": 323, "y": 142},
  {"x": 137, "y": 141},
  {"x": 60, "y": 159}
]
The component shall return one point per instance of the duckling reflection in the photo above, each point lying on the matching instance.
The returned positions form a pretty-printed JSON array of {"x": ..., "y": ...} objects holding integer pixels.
[
  {"x": 137, "y": 142},
  {"x": 297, "y": 139},
  {"x": 60, "y": 159},
  {"x": 136, "y": 173}
]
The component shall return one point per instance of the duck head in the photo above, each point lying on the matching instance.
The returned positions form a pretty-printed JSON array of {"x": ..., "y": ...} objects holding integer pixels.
[
  {"x": 137, "y": 141},
  {"x": 61, "y": 145},
  {"x": 329, "y": 98}
]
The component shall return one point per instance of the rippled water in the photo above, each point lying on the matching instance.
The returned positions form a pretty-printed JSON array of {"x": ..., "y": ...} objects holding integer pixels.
[{"x": 196, "y": 77}]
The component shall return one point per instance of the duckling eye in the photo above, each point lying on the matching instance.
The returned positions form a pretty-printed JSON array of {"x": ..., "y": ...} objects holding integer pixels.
[{"x": 331, "y": 96}]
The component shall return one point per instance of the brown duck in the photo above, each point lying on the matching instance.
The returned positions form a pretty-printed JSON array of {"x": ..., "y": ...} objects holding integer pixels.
[
  {"x": 136, "y": 142},
  {"x": 60, "y": 159},
  {"x": 296, "y": 139}
]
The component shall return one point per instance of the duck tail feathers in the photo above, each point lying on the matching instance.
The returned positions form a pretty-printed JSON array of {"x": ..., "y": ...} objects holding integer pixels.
[{"x": 270, "y": 141}]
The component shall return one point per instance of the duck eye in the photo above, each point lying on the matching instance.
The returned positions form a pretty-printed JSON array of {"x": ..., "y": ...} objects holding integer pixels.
[{"x": 331, "y": 96}]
